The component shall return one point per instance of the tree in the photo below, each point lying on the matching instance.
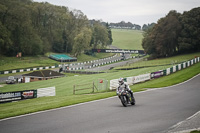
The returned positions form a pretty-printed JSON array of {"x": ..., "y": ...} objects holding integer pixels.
[
  {"x": 82, "y": 41},
  {"x": 145, "y": 27},
  {"x": 168, "y": 30},
  {"x": 109, "y": 34},
  {"x": 162, "y": 40},
  {"x": 5, "y": 42},
  {"x": 190, "y": 34},
  {"x": 36, "y": 28},
  {"x": 148, "y": 43},
  {"x": 100, "y": 35}
]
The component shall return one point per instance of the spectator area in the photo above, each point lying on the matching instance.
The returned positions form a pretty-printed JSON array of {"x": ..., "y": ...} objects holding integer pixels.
[{"x": 62, "y": 58}]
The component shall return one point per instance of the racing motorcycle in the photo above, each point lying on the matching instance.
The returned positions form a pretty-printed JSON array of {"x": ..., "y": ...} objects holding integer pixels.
[{"x": 125, "y": 97}]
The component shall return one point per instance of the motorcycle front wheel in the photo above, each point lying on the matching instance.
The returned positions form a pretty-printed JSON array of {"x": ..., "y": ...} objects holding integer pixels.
[
  {"x": 124, "y": 101},
  {"x": 132, "y": 100}
]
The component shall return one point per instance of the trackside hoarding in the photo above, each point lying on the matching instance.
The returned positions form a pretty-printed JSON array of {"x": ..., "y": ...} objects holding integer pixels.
[
  {"x": 118, "y": 51},
  {"x": 18, "y": 95},
  {"x": 141, "y": 78},
  {"x": 27, "y": 94},
  {"x": 157, "y": 74},
  {"x": 130, "y": 80}
]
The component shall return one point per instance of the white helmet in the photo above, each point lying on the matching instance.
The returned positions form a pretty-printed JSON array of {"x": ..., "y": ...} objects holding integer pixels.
[{"x": 121, "y": 81}]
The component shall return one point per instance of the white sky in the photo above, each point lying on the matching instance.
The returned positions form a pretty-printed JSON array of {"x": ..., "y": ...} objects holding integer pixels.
[{"x": 134, "y": 11}]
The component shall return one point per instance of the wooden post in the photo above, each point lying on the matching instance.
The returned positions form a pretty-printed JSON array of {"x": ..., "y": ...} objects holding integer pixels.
[
  {"x": 93, "y": 87},
  {"x": 74, "y": 89}
]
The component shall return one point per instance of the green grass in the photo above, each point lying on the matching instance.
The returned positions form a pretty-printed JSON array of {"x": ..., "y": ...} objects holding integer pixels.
[
  {"x": 163, "y": 61},
  {"x": 127, "y": 39},
  {"x": 84, "y": 57},
  {"x": 171, "y": 79},
  {"x": 12, "y": 63},
  {"x": 64, "y": 90},
  {"x": 64, "y": 86}
]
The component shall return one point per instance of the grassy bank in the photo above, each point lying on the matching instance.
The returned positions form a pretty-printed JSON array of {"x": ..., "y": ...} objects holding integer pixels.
[
  {"x": 127, "y": 39},
  {"x": 171, "y": 79},
  {"x": 170, "y": 61},
  {"x": 12, "y": 63}
]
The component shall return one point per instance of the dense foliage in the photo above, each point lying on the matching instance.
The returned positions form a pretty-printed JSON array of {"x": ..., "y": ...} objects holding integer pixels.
[
  {"x": 145, "y": 27},
  {"x": 174, "y": 34},
  {"x": 36, "y": 28}
]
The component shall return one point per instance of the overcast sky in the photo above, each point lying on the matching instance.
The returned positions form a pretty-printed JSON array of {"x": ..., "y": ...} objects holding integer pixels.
[{"x": 134, "y": 11}]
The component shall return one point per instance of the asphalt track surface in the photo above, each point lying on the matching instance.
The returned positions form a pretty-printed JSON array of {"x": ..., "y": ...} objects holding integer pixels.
[{"x": 156, "y": 110}]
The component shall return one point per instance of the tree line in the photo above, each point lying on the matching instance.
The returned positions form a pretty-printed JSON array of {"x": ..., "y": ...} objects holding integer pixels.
[
  {"x": 124, "y": 25},
  {"x": 174, "y": 34},
  {"x": 36, "y": 28}
]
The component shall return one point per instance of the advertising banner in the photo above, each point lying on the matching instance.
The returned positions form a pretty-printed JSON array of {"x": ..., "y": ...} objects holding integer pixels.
[
  {"x": 10, "y": 96},
  {"x": 157, "y": 74},
  {"x": 18, "y": 95},
  {"x": 118, "y": 51},
  {"x": 129, "y": 80},
  {"x": 114, "y": 84},
  {"x": 27, "y": 94},
  {"x": 141, "y": 78},
  {"x": 43, "y": 92}
]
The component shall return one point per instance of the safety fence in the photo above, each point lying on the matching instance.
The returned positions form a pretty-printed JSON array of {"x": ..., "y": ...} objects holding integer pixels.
[
  {"x": 83, "y": 87},
  {"x": 28, "y": 69},
  {"x": 144, "y": 77},
  {"x": 26, "y": 94},
  {"x": 98, "y": 85}
]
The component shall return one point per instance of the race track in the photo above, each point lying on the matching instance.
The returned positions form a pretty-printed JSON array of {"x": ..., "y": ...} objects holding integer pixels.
[{"x": 155, "y": 111}]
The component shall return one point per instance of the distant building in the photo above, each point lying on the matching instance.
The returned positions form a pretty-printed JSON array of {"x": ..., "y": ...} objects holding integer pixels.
[{"x": 41, "y": 75}]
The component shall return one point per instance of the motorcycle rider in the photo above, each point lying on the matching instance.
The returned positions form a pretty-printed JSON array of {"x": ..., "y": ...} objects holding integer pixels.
[{"x": 124, "y": 85}]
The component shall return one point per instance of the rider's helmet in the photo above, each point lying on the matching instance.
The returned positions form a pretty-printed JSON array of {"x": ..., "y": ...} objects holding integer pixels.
[{"x": 121, "y": 81}]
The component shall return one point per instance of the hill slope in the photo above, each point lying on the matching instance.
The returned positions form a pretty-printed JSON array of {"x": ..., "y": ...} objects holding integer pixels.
[{"x": 127, "y": 39}]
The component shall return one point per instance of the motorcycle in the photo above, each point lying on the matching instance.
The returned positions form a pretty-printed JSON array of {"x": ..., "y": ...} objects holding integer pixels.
[{"x": 125, "y": 97}]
